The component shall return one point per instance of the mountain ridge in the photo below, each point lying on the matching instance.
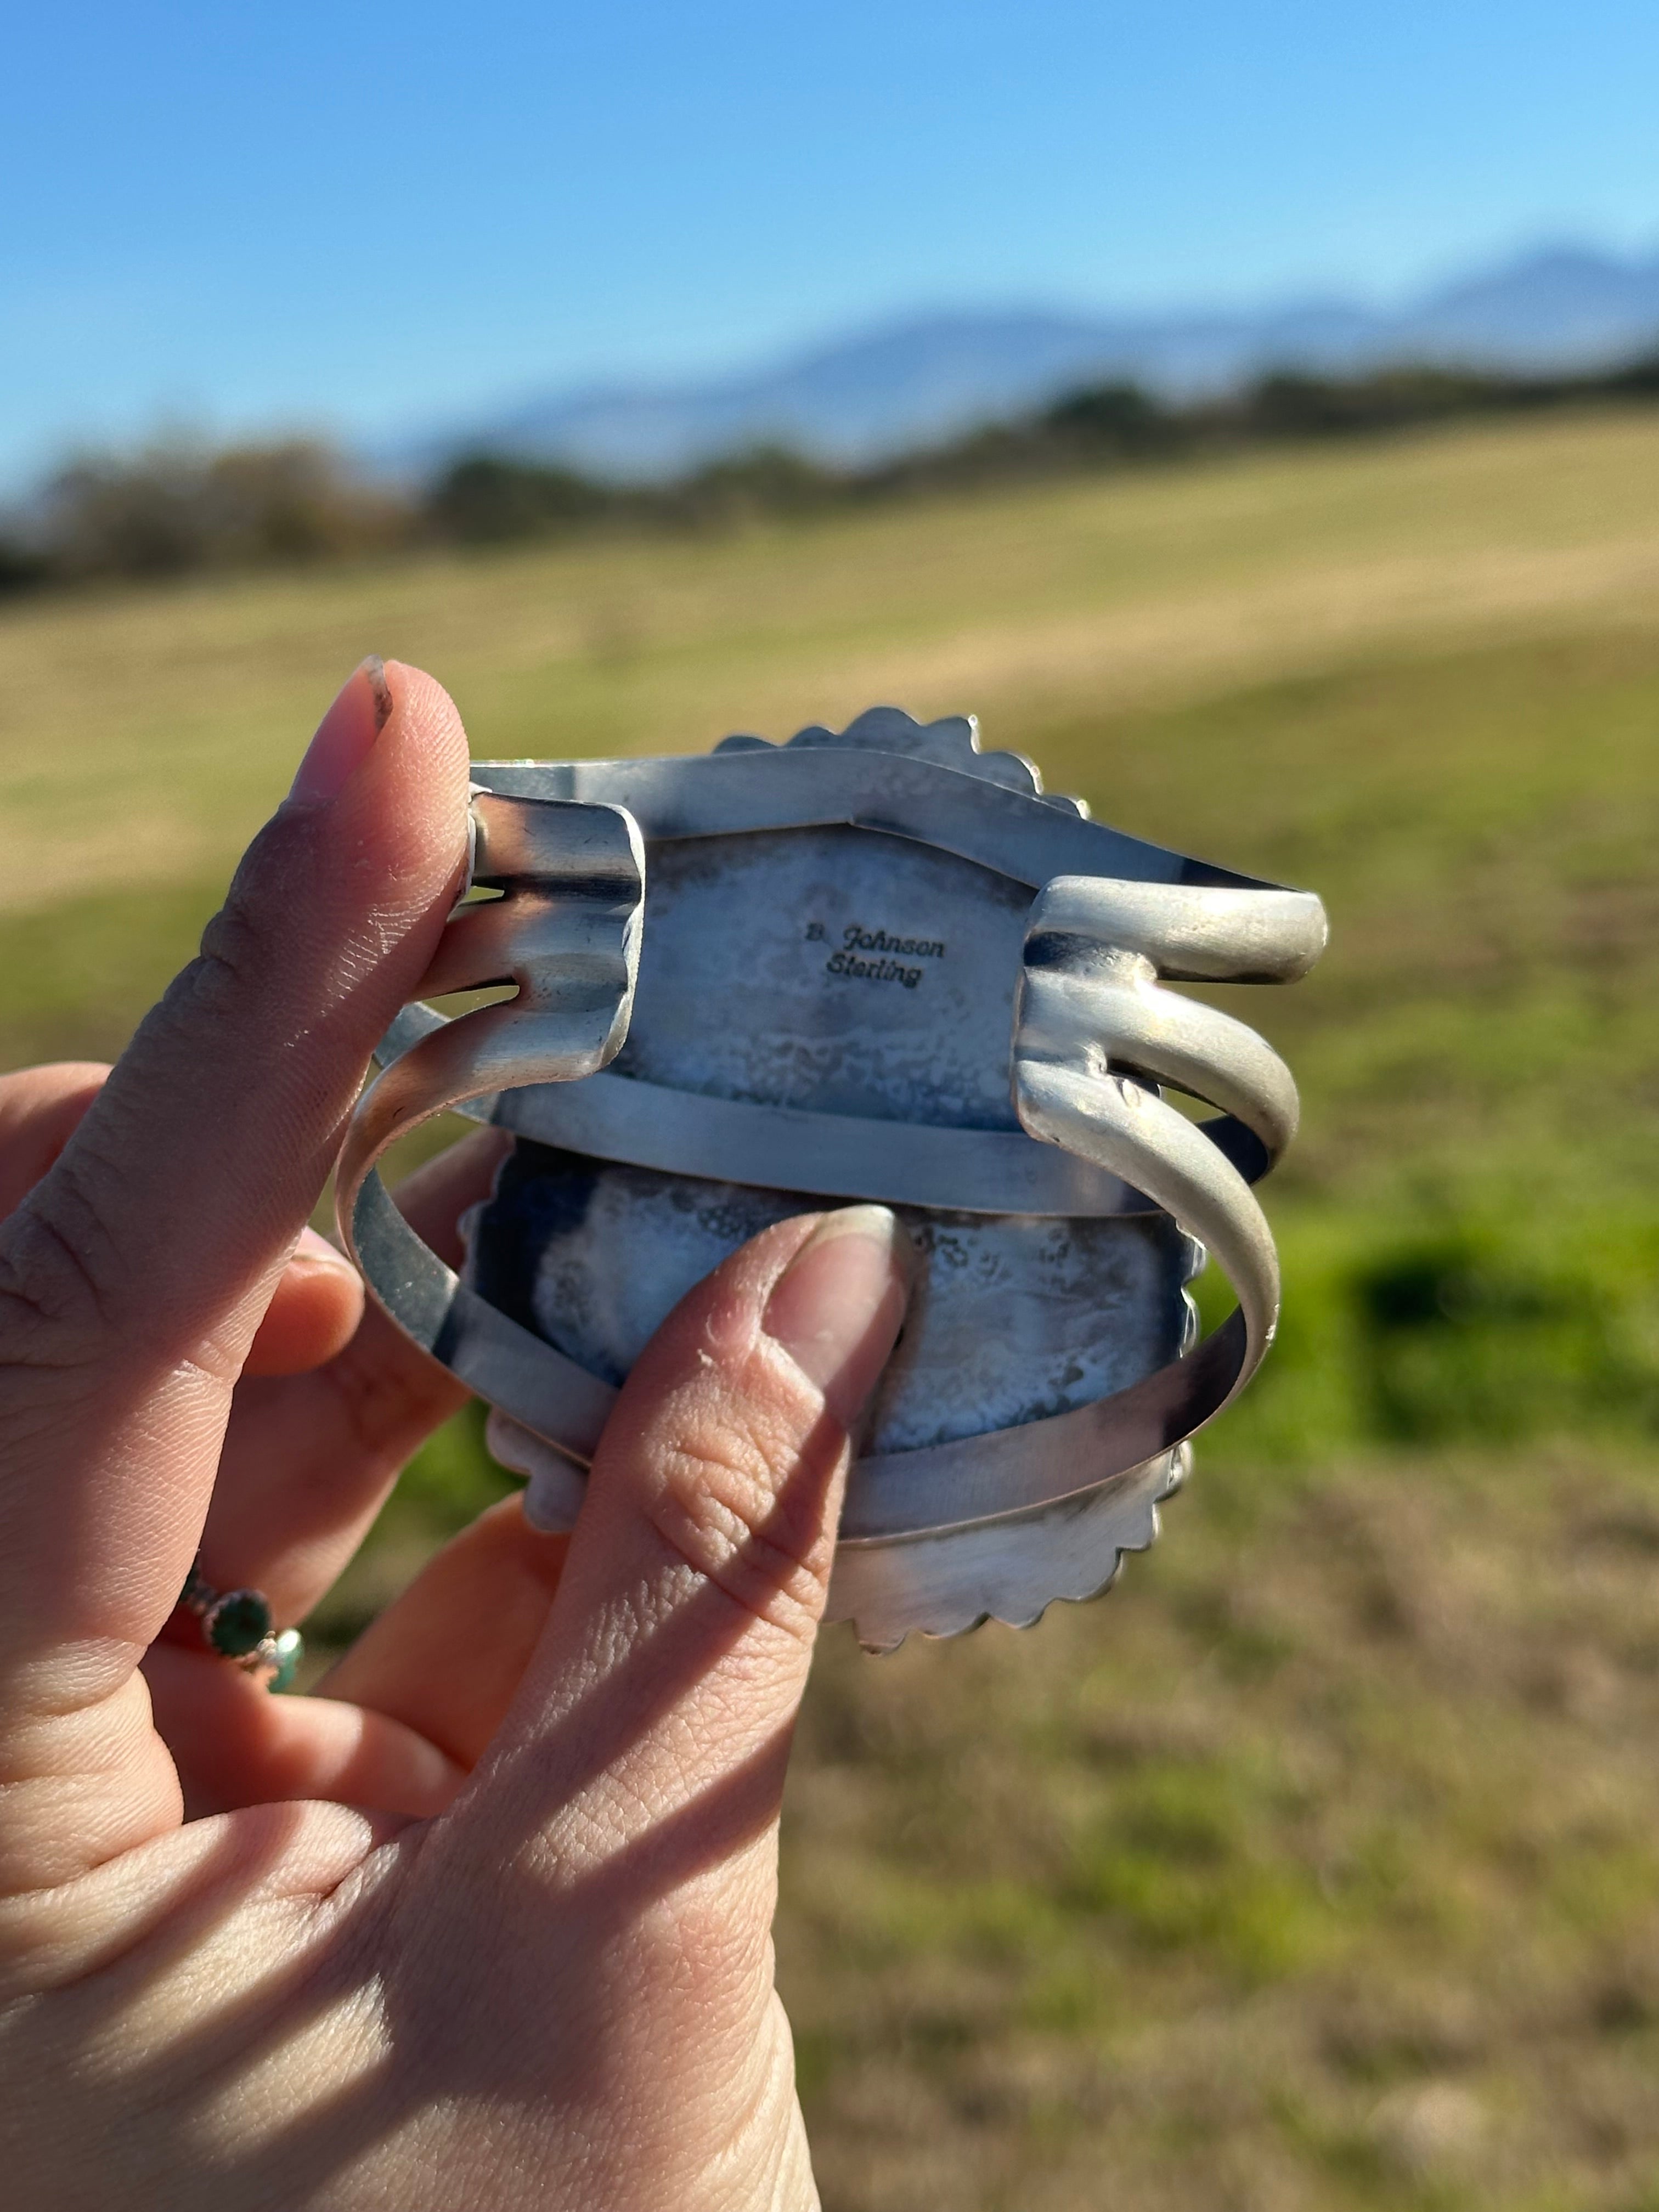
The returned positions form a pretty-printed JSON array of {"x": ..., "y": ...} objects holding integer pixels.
[{"x": 916, "y": 379}]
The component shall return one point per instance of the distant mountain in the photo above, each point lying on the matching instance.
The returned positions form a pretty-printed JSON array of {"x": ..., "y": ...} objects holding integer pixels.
[
  {"x": 1560, "y": 309},
  {"x": 927, "y": 377}
]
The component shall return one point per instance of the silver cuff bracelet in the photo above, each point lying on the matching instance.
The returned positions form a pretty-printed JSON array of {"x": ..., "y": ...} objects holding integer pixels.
[{"x": 874, "y": 963}]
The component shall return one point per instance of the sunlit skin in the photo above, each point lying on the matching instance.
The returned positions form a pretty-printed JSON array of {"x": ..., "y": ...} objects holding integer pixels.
[{"x": 487, "y": 1921}]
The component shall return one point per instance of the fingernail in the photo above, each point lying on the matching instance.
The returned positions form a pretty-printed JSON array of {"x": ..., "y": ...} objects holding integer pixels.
[
  {"x": 838, "y": 1306},
  {"x": 314, "y": 1250},
  {"x": 345, "y": 735}
]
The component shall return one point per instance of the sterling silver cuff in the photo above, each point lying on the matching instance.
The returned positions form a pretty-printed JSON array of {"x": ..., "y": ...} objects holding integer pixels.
[{"x": 877, "y": 964}]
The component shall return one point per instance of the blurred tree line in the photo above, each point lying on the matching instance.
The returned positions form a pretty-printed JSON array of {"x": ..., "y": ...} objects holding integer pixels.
[{"x": 176, "y": 508}]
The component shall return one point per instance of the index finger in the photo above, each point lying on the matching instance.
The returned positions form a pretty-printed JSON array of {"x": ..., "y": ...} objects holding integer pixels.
[{"x": 133, "y": 1276}]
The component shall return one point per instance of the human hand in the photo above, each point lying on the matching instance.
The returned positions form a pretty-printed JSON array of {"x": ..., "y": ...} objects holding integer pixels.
[{"x": 486, "y": 1923}]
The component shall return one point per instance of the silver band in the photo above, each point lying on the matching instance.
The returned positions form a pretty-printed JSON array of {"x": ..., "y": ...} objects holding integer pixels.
[{"x": 566, "y": 930}]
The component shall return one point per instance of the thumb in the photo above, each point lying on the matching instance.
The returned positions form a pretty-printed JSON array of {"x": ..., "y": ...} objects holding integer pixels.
[
  {"x": 727, "y": 1452},
  {"x": 639, "y": 1772},
  {"x": 134, "y": 1275}
]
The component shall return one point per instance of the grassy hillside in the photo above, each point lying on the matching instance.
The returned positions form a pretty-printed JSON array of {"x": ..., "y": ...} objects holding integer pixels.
[{"x": 1320, "y": 1867}]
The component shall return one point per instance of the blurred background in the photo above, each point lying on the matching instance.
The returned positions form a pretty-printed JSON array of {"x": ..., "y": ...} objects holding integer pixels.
[{"x": 1252, "y": 413}]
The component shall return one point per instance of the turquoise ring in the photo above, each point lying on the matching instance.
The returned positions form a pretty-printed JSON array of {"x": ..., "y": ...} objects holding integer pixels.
[{"x": 237, "y": 1625}]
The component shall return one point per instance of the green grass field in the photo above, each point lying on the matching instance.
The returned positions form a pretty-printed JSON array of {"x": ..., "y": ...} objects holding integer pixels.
[{"x": 1319, "y": 1866}]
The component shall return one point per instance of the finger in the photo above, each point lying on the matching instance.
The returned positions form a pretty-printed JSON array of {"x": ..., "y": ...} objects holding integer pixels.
[
  {"x": 133, "y": 1276},
  {"x": 637, "y": 1778},
  {"x": 447, "y": 1657},
  {"x": 313, "y": 1312},
  {"x": 235, "y": 1744},
  {"x": 318, "y": 1296},
  {"x": 41, "y": 1109},
  {"x": 308, "y": 1459},
  {"x": 439, "y": 1667}
]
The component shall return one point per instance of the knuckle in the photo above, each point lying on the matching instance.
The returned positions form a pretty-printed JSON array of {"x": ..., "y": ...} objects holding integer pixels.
[
  {"x": 245, "y": 939},
  {"x": 234, "y": 951},
  {"x": 56, "y": 1269},
  {"x": 741, "y": 1501}
]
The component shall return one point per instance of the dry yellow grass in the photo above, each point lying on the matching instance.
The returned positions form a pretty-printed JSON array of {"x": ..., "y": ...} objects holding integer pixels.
[{"x": 1318, "y": 1868}]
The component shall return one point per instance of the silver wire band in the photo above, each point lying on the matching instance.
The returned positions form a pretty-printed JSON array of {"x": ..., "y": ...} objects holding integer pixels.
[{"x": 566, "y": 931}]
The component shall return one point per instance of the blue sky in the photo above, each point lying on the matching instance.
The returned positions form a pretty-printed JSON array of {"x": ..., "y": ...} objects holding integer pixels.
[{"x": 368, "y": 217}]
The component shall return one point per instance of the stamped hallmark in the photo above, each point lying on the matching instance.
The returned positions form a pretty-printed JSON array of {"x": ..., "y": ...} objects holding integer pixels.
[{"x": 857, "y": 941}]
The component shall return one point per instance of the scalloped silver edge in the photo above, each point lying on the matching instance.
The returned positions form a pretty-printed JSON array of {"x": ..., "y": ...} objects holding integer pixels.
[
  {"x": 1015, "y": 1568},
  {"x": 952, "y": 742}
]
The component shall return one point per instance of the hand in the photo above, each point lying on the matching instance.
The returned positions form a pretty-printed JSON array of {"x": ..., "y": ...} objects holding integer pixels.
[{"x": 487, "y": 1924}]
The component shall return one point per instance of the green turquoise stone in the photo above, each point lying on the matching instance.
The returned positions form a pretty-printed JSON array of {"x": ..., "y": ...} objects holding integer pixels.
[
  {"x": 290, "y": 1649},
  {"x": 239, "y": 1623}
]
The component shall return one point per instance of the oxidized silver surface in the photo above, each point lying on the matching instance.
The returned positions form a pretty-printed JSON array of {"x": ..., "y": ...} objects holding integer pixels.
[{"x": 875, "y": 963}]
